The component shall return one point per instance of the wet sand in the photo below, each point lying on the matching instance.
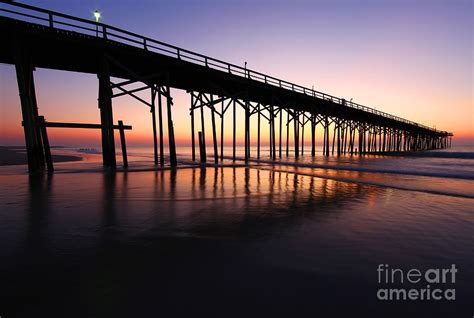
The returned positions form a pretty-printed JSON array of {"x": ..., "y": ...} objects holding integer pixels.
[{"x": 221, "y": 242}]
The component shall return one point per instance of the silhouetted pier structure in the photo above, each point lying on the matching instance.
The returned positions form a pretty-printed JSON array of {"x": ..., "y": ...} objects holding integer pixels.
[{"x": 33, "y": 37}]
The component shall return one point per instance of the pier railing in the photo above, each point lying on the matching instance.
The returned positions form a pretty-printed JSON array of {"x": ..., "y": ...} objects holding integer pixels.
[{"x": 62, "y": 21}]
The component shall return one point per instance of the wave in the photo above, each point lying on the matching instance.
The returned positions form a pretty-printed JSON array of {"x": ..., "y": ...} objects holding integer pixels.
[
  {"x": 465, "y": 175},
  {"x": 435, "y": 154}
]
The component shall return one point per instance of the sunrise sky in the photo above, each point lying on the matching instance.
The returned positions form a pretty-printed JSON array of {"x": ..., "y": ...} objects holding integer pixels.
[{"x": 412, "y": 58}]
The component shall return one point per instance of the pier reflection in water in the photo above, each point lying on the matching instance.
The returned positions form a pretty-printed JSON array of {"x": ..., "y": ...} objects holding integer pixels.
[{"x": 169, "y": 241}]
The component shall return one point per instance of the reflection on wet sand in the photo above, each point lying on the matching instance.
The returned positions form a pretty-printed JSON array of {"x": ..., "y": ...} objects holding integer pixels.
[
  {"x": 205, "y": 201},
  {"x": 39, "y": 190}
]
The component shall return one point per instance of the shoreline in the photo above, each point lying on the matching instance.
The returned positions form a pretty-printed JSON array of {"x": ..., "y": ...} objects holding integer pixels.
[{"x": 16, "y": 155}]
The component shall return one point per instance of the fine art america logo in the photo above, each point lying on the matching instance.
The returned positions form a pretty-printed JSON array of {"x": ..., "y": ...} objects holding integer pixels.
[{"x": 415, "y": 284}]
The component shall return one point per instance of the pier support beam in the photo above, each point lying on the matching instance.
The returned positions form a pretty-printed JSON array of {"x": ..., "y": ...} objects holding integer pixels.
[
  {"x": 47, "y": 148},
  {"x": 258, "y": 131},
  {"x": 353, "y": 135},
  {"x": 106, "y": 115},
  {"x": 193, "y": 150},
  {"x": 153, "y": 116},
  {"x": 214, "y": 133},
  {"x": 203, "y": 131},
  {"x": 313, "y": 135},
  {"x": 338, "y": 138},
  {"x": 280, "y": 114},
  {"x": 346, "y": 130},
  {"x": 160, "y": 122},
  {"x": 334, "y": 136},
  {"x": 247, "y": 130},
  {"x": 123, "y": 144},
  {"x": 272, "y": 132},
  {"x": 287, "y": 132},
  {"x": 234, "y": 123},
  {"x": 29, "y": 109},
  {"x": 296, "y": 125},
  {"x": 326, "y": 136},
  {"x": 202, "y": 152},
  {"x": 222, "y": 130},
  {"x": 302, "y": 135},
  {"x": 171, "y": 140}
]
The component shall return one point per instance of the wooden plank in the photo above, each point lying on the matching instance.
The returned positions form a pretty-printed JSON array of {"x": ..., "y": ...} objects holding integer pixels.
[{"x": 80, "y": 125}]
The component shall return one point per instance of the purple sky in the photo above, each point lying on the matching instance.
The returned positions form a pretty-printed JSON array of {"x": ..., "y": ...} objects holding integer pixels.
[{"x": 409, "y": 58}]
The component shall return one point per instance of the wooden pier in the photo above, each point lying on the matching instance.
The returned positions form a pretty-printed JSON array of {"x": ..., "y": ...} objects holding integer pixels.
[{"x": 62, "y": 42}]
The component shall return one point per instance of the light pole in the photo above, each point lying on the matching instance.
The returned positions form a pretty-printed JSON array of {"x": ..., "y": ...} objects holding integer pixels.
[{"x": 97, "y": 17}]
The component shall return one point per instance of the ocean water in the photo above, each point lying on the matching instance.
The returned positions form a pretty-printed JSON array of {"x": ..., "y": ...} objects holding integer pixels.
[{"x": 300, "y": 237}]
